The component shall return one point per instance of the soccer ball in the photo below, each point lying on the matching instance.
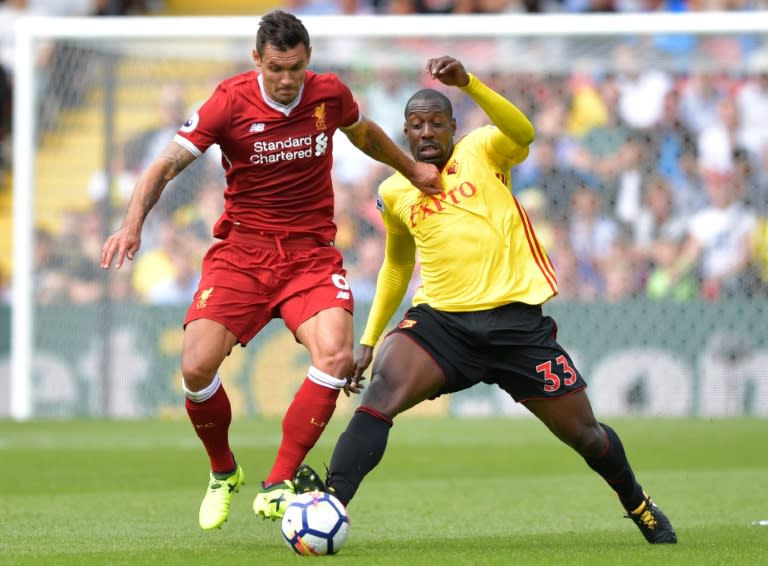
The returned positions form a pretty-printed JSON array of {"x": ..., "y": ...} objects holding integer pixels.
[{"x": 315, "y": 523}]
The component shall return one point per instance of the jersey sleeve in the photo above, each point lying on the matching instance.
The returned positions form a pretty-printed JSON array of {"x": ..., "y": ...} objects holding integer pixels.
[
  {"x": 514, "y": 132},
  {"x": 393, "y": 278},
  {"x": 350, "y": 109},
  {"x": 203, "y": 129}
]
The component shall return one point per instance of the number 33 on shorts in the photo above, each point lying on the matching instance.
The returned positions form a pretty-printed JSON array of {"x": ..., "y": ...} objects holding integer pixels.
[{"x": 552, "y": 380}]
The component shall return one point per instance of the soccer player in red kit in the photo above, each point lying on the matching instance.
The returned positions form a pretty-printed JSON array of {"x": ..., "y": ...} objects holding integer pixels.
[{"x": 274, "y": 257}]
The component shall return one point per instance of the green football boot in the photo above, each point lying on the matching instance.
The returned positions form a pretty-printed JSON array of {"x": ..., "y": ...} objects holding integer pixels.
[
  {"x": 214, "y": 510},
  {"x": 272, "y": 500}
]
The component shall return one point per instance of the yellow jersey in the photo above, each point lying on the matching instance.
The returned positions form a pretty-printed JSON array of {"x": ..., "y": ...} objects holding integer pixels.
[{"x": 476, "y": 245}]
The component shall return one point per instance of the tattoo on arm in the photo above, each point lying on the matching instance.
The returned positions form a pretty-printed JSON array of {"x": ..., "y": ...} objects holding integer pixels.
[
  {"x": 177, "y": 157},
  {"x": 173, "y": 159}
]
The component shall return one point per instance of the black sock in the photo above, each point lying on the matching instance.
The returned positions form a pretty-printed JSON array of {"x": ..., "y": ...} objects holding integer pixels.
[
  {"x": 614, "y": 468},
  {"x": 358, "y": 451}
]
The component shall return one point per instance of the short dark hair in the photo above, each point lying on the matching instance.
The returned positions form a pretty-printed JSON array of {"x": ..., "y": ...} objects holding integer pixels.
[
  {"x": 430, "y": 94},
  {"x": 282, "y": 30}
]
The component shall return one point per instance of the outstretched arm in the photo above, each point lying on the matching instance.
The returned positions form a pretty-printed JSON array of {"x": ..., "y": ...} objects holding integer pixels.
[
  {"x": 369, "y": 138},
  {"x": 507, "y": 117},
  {"x": 127, "y": 240}
]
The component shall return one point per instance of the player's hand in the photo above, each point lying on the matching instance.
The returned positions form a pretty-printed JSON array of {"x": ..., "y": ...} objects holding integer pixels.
[
  {"x": 448, "y": 70},
  {"x": 122, "y": 244},
  {"x": 362, "y": 359},
  {"x": 354, "y": 385},
  {"x": 426, "y": 178}
]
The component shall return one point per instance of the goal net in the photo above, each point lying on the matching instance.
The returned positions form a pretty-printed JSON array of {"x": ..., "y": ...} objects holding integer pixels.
[{"x": 633, "y": 114}]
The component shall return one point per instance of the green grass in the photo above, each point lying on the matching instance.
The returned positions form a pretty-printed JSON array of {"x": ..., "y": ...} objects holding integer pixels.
[{"x": 447, "y": 492}]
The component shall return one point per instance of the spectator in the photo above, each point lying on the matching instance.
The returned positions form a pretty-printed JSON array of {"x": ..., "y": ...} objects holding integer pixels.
[
  {"x": 441, "y": 6},
  {"x": 718, "y": 247},
  {"x": 141, "y": 149},
  {"x": 686, "y": 182},
  {"x": 661, "y": 284},
  {"x": 121, "y": 287},
  {"x": 673, "y": 146},
  {"x": 750, "y": 187},
  {"x": 154, "y": 268},
  {"x": 619, "y": 275},
  {"x": 51, "y": 278},
  {"x": 641, "y": 90},
  {"x": 576, "y": 280},
  {"x": 554, "y": 179},
  {"x": 719, "y": 140},
  {"x": 588, "y": 107},
  {"x": 752, "y": 104},
  {"x": 592, "y": 233},
  {"x": 630, "y": 179},
  {"x": 598, "y": 152},
  {"x": 699, "y": 98},
  {"x": 369, "y": 253},
  {"x": 536, "y": 205},
  {"x": 657, "y": 221},
  {"x": 179, "y": 289}
]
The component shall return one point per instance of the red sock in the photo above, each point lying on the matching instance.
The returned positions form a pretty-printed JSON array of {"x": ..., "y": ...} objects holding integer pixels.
[
  {"x": 303, "y": 423},
  {"x": 211, "y": 420}
]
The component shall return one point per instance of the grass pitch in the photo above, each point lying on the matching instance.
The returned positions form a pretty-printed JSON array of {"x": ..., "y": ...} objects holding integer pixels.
[{"x": 449, "y": 491}]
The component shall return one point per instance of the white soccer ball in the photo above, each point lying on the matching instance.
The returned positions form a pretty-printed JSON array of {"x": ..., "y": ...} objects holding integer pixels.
[{"x": 315, "y": 523}]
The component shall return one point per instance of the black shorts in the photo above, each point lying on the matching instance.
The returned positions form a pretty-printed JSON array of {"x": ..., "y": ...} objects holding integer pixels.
[{"x": 514, "y": 346}]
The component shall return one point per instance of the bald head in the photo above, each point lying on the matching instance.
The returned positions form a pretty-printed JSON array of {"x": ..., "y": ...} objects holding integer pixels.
[
  {"x": 429, "y": 98},
  {"x": 429, "y": 127}
]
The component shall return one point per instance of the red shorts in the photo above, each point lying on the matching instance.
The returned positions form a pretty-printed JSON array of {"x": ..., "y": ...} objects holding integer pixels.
[{"x": 248, "y": 281}]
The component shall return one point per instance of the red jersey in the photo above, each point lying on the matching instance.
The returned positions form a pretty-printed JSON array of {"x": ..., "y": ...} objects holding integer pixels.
[{"x": 277, "y": 158}]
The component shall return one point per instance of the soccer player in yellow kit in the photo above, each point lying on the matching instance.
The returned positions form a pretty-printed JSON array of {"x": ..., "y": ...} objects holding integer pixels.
[{"x": 477, "y": 316}]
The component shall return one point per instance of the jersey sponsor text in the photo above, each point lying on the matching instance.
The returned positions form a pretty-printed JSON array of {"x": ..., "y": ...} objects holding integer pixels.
[{"x": 289, "y": 149}]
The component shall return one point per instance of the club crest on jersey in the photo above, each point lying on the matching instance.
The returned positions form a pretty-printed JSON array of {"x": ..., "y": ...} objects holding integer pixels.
[
  {"x": 257, "y": 127},
  {"x": 205, "y": 294},
  {"x": 453, "y": 167},
  {"x": 319, "y": 115}
]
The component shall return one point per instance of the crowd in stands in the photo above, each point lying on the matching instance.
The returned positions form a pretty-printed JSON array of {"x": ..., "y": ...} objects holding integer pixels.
[{"x": 641, "y": 183}]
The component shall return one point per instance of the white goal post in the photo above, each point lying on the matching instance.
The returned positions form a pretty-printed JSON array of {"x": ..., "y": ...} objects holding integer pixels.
[{"x": 30, "y": 32}]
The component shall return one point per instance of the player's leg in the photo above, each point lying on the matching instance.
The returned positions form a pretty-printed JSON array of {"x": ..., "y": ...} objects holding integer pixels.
[
  {"x": 535, "y": 370},
  {"x": 571, "y": 419},
  {"x": 403, "y": 375},
  {"x": 206, "y": 344},
  {"x": 328, "y": 336}
]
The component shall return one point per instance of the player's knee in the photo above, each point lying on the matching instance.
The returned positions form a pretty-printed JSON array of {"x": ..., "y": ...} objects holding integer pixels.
[
  {"x": 196, "y": 373},
  {"x": 387, "y": 395},
  {"x": 338, "y": 363},
  {"x": 587, "y": 440}
]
